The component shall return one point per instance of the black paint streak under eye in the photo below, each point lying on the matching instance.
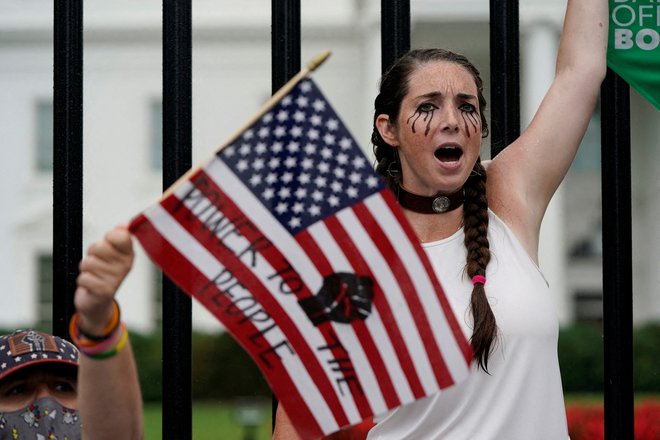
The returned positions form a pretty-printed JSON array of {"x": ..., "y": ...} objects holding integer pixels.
[
  {"x": 428, "y": 117},
  {"x": 472, "y": 118}
]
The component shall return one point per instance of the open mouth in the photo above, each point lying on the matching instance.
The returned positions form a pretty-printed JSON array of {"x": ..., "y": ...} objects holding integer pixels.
[{"x": 448, "y": 154}]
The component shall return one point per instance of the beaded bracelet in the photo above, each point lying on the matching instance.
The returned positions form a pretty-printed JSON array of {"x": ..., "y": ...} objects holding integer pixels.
[{"x": 109, "y": 348}]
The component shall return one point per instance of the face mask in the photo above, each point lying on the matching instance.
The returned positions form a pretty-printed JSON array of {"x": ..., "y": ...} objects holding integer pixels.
[{"x": 45, "y": 419}]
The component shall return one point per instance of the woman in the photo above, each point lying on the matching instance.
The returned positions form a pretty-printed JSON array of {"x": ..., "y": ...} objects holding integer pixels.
[{"x": 479, "y": 225}]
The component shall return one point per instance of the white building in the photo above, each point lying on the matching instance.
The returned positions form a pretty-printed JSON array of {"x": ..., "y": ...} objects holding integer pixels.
[{"x": 231, "y": 78}]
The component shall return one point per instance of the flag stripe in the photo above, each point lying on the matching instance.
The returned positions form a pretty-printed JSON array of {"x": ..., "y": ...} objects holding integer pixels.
[
  {"x": 186, "y": 274},
  {"x": 433, "y": 351},
  {"x": 361, "y": 268},
  {"x": 276, "y": 259},
  {"x": 258, "y": 290},
  {"x": 445, "y": 329}
]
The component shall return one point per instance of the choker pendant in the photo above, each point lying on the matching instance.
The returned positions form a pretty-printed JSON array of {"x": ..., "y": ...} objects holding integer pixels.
[{"x": 437, "y": 204}]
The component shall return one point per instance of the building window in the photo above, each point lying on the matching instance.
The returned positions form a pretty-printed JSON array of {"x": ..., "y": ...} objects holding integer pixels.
[
  {"x": 156, "y": 135},
  {"x": 45, "y": 291},
  {"x": 44, "y": 133},
  {"x": 588, "y": 306}
]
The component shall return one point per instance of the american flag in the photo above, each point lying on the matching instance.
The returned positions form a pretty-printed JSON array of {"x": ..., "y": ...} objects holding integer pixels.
[{"x": 298, "y": 248}]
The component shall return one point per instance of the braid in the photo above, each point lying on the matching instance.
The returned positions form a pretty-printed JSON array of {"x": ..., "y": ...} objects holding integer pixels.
[{"x": 475, "y": 219}]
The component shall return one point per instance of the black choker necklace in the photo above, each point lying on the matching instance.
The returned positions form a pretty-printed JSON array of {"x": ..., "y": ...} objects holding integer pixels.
[{"x": 429, "y": 204}]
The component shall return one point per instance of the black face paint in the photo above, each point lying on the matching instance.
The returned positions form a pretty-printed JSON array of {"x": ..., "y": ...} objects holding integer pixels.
[
  {"x": 428, "y": 117},
  {"x": 472, "y": 118}
]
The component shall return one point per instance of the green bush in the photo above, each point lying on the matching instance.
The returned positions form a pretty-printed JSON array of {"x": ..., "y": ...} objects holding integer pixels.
[
  {"x": 581, "y": 358},
  {"x": 221, "y": 369},
  {"x": 646, "y": 358}
]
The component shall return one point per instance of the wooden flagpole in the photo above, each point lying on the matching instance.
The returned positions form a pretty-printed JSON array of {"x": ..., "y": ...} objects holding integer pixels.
[{"x": 283, "y": 91}]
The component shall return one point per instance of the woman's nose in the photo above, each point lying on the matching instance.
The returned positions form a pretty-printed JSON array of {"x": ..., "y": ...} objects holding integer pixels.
[{"x": 450, "y": 120}]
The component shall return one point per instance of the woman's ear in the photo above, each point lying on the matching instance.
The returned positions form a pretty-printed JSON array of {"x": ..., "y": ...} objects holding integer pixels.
[{"x": 387, "y": 130}]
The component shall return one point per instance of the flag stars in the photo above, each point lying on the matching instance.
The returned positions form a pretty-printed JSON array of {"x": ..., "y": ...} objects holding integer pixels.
[
  {"x": 229, "y": 151},
  {"x": 313, "y": 134},
  {"x": 317, "y": 196},
  {"x": 258, "y": 164},
  {"x": 293, "y": 147},
  {"x": 372, "y": 181},
  {"x": 249, "y": 134},
  {"x": 274, "y": 162},
  {"x": 255, "y": 180},
  {"x": 307, "y": 163},
  {"x": 345, "y": 143},
  {"x": 323, "y": 167},
  {"x": 242, "y": 165},
  {"x": 318, "y": 105},
  {"x": 310, "y": 148},
  {"x": 287, "y": 177},
  {"x": 244, "y": 150},
  {"x": 279, "y": 131},
  {"x": 277, "y": 147},
  {"x": 268, "y": 118},
  {"x": 281, "y": 208},
  {"x": 290, "y": 162},
  {"x": 286, "y": 101},
  {"x": 271, "y": 178},
  {"x": 333, "y": 200},
  {"x": 326, "y": 153},
  {"x": 34, "y": 355},
  {"x": 339, "y": 173},
  {"x": 263, "y": 132},
  {"x": 342, "y": 158},
  {"x": 306, "y": 87},
  {"x": 284, "y": 193},
  {"x": 304, "y": 178},
  {"x": 268, "y": 193},
  {"x": 329, "y": 139},
  {"x": 316, "y": 120},
  {"x": 261, "y": 148},
  {"x": 358, "y": 162},
  {"x": 336, "y": 186},
  {"x": 302, "y": 102},
  {"x": 301, "y": 193},
  {"x": 295, "y": 222},
  {"x": 298, "y": 207},
  {"x": 352, "y": 192},
  {"x": 332, "y": 124},
  {"x": 282, "y": 115},
  {"x": 355, "y": 178},
  {"x": 299, "y": 116},
  {"x": 320, "y": 181},
  {"x": 314, "y": 210},
  {"x": 296, "y": 131}
]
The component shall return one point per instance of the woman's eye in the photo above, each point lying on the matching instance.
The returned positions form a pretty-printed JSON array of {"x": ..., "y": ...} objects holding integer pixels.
[
  {"x": 469, "y": 108},
  {"x": 426, "y": 108}
]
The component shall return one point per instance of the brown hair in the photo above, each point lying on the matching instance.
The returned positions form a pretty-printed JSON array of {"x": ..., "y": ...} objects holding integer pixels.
[{"x": 393, "y": 88}]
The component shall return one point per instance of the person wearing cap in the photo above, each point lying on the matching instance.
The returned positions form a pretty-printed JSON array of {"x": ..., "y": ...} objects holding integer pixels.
[{"x": 51, "y": 389}]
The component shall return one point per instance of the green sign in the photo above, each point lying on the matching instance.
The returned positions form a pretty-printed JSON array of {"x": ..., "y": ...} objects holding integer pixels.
[{"x": 634, "y": 45}]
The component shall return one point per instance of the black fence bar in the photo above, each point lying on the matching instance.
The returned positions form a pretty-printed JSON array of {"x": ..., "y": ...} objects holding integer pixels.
[
  {"x": 504, "y": 74},
  {"x": 285, "y": 59},
  {"x": 617, "y": 258},
  {"x": 285, "y": 41},
  {"x": 67, "y": 157},
  {"x": 177, "y": 159},
  {"x": 394, "y": 30}
]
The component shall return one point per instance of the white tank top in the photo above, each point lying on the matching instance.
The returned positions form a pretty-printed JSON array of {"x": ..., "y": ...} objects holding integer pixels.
[{"x": 522, "y": 398}]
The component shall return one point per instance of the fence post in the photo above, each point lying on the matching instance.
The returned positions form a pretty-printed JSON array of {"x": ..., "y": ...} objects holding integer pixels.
[
  {"x": 617, "y": 258},
  {"x": 285, "y": 61},
  {"x": 177, "y": 159},
  {"x": 394, "y": 31},
  {"x": 67, "y": 157},
  {"x": 504, "y": 74}
]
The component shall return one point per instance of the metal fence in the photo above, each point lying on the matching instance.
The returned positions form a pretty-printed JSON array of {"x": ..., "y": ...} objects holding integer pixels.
[{"x": 395, "y": 37}]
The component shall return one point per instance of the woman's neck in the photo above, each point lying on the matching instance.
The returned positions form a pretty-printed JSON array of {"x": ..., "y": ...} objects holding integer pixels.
[{"x": 434, "y": 227}]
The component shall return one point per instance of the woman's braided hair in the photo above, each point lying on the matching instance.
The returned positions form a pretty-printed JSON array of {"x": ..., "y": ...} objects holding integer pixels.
[{"x": 393, "y": 88}]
